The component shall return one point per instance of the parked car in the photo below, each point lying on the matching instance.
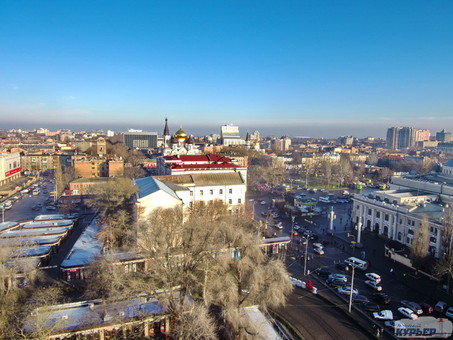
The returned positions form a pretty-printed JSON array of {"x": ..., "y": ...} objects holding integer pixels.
[
  {"x": 35, "y": 208},
  {"x": 342, "y": 266},
  {"x": 318, "y": 251},
  {"x": 263, "y": 202},
  {"x": 394, "y": 324},
  {"x": 415, "y": 307},
  {"x": 359, "y": 299},
  {"x": 449, "y": 313},
  {"x": 440, "y": 306},
  {"x": 51, "y": 208},
  {"x": 427, "y": 308},
  {"x": 408, "y": 313},
  {"x": 279, "y": 225},
  {"x": 383, "y": 315},
  {"x": 371, "y": 307},
  {"x": 335, "y": 283},
  {"x": 322, "y": 272},
  {"x": 373, "y": 277},
  {"x": 346, "y": 290},
  {"x": 339, "y": 277},
  {"x": 381, "y": 298},
  {"x": 374, "y": 285}
]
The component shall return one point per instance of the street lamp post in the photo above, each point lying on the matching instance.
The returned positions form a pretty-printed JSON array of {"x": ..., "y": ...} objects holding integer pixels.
[
  {"x": 359, "y": 230},
  {"x": 3, "y": 212},
  {"x": 352, "y": 287},
  {"x": 306, "y": 255},
  {"x": 332, "y": 216},
  {"x": 292, "y": 228}
]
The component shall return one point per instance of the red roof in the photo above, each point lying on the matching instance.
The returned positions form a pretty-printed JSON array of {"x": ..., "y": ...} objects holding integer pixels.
[
  {"x": 208, "y": 159},
  {"x": 176, "y": 166}
]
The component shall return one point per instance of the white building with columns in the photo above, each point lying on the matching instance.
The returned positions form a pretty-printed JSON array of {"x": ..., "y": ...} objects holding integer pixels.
[{"x": 398, "y": 214}]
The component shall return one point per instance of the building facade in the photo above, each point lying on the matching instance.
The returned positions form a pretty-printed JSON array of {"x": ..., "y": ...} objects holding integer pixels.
[
  {"x": 229, "y": 135},
  {"x": 140, "y": 140},
  {"x": 10, "y": 167},
  {"x": 383, "y": 215}
]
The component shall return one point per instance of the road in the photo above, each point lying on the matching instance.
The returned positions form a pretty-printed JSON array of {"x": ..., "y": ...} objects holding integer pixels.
[
  {"x": 22, "y": 209},
  {"x": 317, "y": 319}
]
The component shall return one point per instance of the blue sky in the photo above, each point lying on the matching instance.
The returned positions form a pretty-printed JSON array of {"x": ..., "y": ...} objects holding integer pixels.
[{"x": 312, "y": 68}]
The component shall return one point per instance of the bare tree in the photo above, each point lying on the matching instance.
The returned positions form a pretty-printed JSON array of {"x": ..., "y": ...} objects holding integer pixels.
[
  {"x": 444, "y": 266},
  {"x": 244, "y": 276},
  {"x": 113, "y": 194},
  {"x": 195, "y": 323},
  {"x": 420, "y": 243},
  {"x": 34, "y": 319},
  {"x": 117, "y": 231}
]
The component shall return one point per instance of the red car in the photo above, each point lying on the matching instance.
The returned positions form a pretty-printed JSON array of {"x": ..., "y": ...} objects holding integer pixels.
[{"x": 427, "y": 309}]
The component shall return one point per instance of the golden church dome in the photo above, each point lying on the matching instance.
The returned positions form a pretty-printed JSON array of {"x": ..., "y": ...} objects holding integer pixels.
[{"x": 180, "y": 134}]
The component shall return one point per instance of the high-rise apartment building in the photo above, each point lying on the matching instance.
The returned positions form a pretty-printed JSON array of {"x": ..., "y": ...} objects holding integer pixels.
[
  {"x": 405, "y": 137},
  {"x": 443, "y": 136}
]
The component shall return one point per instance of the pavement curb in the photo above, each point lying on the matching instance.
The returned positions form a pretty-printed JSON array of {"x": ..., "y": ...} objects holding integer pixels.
[{"x": 292, "y": 330}]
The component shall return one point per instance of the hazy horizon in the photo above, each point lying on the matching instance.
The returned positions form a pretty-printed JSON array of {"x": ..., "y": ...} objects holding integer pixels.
[{"x": 320, "y": 69}]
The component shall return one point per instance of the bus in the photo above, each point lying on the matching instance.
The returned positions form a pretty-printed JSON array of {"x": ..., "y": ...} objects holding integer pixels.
[{"x": 357, "y": 263}]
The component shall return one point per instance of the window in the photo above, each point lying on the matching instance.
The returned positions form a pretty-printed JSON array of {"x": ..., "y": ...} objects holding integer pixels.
[
  {"x": 191, "y": 193},
  {"x": 378, "y": 214},
  {"x": 386, "y": 217},
  {"x": 239, "y": 201},
  {"x": 400, "y": 236},
  {"x": 230, "y": 201},
  {"x": 432, "y": 239},
  {"x": 230, "y": 191},
  {"x": 221, "y": 191},
  {"x": 201, "y": 192},
  {"x": 211, "y": 192},
  {"x": 369, "y": 211},
  {"x": 410, "y": 232},
  {"x": 401, "y": 221}
]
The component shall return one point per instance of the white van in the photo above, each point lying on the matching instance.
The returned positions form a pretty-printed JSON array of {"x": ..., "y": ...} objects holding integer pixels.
[
  {"x": 357, "y": 263},
  {"x": 7, "y": 204}
]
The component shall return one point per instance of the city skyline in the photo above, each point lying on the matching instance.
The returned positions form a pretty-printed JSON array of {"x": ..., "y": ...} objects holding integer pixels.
[{"x": 303, "y": 69}]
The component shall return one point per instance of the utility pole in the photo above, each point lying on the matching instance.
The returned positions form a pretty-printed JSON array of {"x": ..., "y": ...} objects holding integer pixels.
[
  {"x": 306, "y": 255},
  {"x": 352, "y": 287}
]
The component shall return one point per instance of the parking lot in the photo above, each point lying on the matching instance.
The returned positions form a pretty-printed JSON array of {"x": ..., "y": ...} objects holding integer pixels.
[{"x": 397, "y": 282}]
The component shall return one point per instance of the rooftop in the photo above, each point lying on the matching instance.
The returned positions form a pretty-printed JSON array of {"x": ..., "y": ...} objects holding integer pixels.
[
  {"x": 86, "y": 248},
  {"x": 149, "y": 185},
  {"x": 205, "y": 179},
  {"x": 93, "y": 314}
]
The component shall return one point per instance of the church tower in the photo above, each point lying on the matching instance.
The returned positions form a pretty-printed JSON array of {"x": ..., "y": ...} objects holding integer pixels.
[
  {"x": 166, "y": 135},
  {"x": 101, "y": 146}
]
